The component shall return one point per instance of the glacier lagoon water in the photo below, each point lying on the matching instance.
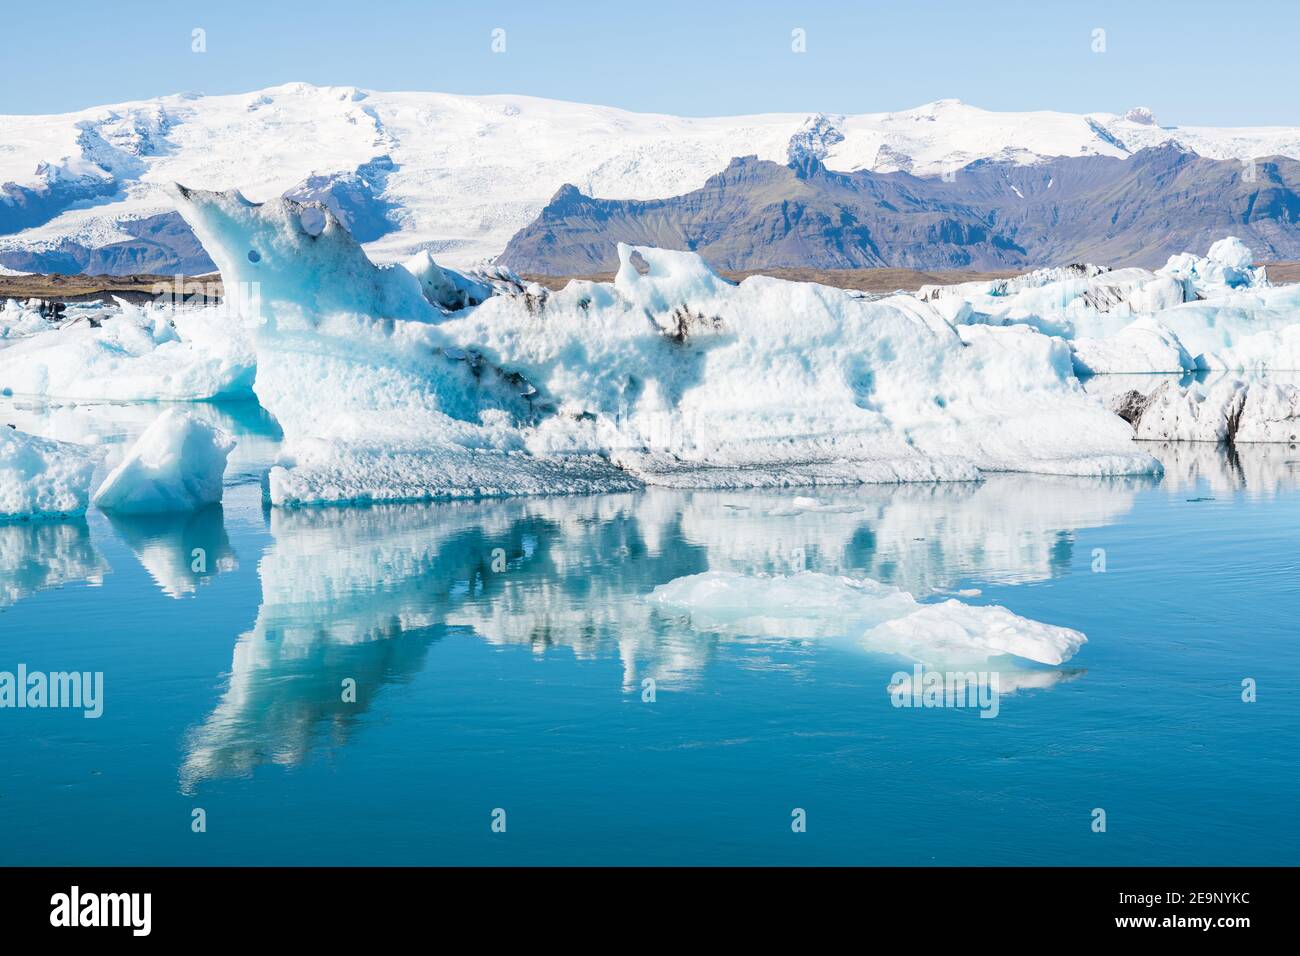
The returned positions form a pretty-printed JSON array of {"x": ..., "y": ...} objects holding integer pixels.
[{"x": 499, "y": 651}]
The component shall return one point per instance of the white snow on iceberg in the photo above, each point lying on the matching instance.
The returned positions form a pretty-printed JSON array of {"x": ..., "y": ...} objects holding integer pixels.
[
  {"x": 176, "y": 465},
  {"x": 41, "y": 477},
  {"x": 674, "y": 376}
]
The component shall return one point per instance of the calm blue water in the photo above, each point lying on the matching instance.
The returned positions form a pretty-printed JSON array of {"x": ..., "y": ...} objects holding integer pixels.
[{"x": 521, "y": 689}]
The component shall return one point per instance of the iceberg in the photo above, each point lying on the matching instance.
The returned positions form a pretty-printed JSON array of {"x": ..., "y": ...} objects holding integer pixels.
[
  {"x": 1196, "y": 313},
  {"x": 1225, "y": 409},
  {"x": 670, "y": 375},
  {"x": 43, "y": 477},
  {"x": 1228, "y": 265},
  {"x": 132, "y": 353},
  {"x": 177, "y": 465}
]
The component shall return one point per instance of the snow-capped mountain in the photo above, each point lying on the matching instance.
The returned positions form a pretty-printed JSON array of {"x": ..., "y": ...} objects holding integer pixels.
[{"x": 460, "y": 175}]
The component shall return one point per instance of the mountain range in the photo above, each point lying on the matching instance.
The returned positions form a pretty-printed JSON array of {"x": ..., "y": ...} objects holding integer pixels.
[
  {"x": 989, "y": 215},
  {"x": 460, "y": 176}
]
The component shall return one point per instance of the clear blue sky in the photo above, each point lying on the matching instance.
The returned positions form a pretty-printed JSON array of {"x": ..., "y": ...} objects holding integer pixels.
[{"x": 1193, "y": 62}]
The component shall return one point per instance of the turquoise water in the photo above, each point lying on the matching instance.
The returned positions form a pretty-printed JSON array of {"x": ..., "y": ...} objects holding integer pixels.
[{"x": 499, "y": 651}]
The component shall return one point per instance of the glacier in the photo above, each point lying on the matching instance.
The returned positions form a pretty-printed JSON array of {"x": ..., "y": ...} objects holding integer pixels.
[
  {"x": 465, "y": 173},
  {"x": 669, "y": 375}
]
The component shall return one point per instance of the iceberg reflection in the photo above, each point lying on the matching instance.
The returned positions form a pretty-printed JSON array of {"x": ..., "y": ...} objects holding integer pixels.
[
  {"x": 362, "y": 593},
  {"x": 35, "y": 555},
  {"x": 1258, "y": 471},
  {"x": 179, "y": 550}
]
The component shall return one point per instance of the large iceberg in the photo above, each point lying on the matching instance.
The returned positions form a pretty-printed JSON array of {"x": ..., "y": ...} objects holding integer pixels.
[
  {"x": 669, "y": 375},
  {"x": 40, "y": 477},
  {"x": 177, "y": 465}
]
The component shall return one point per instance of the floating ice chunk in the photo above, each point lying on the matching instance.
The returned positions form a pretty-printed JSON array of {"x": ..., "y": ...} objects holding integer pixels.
[
  {"x": 886, "y": 619},
  {"x": 726, "y": 385},
  {"x": 1194, "y": 413},
  {"x": 1217, "y": 311},
  {"x": 1229, "y": 265},
  {"x": 176, "y": 465},
  {"x": 1072, "y": 302},
  {"x": 1225, "y": 410},
  {"x": 17, "y": 321},
  {"x": 802, "y": 504},
  {"x": 953, "y": 632},
  {"x": 41, "y": 477},
  {"x": 134, "y": 354}
]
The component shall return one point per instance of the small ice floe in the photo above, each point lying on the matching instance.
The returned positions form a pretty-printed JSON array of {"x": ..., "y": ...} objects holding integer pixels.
[
  {"x": 882, "y": 618},
  {"x": 177, "y": 465}
]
